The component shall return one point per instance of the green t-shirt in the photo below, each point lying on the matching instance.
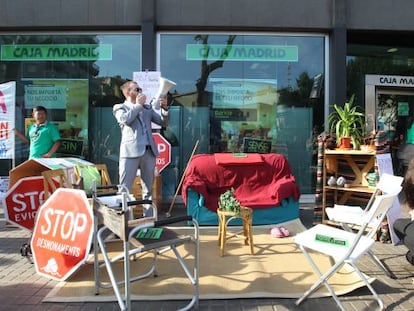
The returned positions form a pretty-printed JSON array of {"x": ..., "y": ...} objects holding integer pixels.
[
  {"x": 410, "y": 135},
  {"x": 42, "y": 137}
]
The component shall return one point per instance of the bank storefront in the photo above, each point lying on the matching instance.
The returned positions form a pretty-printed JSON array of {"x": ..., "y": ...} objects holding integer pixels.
[{"x": 235, "y": 92}]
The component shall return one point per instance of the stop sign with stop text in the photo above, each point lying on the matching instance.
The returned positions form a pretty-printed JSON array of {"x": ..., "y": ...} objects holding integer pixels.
[
  {"x": 164, "y": 149},
  {"x": 62, "y": 234},
  {"x": 22, "y": 201}
]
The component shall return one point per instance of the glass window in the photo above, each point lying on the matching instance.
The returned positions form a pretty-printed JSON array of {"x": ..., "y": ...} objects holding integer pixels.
[
  {"x": 245, "y": 93},
  {"x": 77, "y": 78},
  {"x": 389, "y": 105}
]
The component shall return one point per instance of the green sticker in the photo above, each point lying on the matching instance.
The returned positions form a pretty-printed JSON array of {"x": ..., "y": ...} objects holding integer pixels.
[
  {"x": 150, "y": 233},
  {"x": 331, "y": 240}
]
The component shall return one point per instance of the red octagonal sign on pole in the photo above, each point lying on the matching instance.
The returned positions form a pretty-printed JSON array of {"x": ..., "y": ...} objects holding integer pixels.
[
  {"x": 62, "y": 234},
  {"x": 164, "y": 149}
]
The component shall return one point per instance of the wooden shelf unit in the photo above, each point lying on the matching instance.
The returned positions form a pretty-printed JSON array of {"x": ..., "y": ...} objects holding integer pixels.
[{"x": 358, "y": 165}]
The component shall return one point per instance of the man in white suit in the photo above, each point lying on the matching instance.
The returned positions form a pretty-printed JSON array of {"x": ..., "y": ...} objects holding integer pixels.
[{"x": 138, "y": 149}]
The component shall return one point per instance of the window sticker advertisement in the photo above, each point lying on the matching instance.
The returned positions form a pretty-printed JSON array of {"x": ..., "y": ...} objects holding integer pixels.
[
  {"x": 4, "y": 185},
  {"x": 246, "y": 111},
  {"x": 67, "y": 103}
]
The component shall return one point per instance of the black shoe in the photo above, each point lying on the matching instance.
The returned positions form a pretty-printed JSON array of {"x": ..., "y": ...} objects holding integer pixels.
[
  {"x": 385, "y": 236},
  {"x": 26, "y": 251},
  {"x": 410, "y": 258}
]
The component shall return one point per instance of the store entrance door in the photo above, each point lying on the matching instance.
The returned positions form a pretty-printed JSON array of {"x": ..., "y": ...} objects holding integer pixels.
[{"x": 389, "y": 105}]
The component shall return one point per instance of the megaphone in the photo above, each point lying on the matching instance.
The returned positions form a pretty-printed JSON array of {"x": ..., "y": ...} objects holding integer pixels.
[{"x": 165, "y": 86}]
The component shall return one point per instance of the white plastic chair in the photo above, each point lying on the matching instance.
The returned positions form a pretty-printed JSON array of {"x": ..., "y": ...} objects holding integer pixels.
[
  {"x": 351, "y": 217},
  {"x": 342, "y": 246}
]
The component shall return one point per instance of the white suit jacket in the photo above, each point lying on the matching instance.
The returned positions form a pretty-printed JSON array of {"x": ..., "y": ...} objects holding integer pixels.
[{"x": 130, "y": 117}]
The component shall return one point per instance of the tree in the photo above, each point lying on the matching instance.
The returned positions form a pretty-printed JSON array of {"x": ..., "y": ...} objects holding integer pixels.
[{"x": 206, "y": 68}]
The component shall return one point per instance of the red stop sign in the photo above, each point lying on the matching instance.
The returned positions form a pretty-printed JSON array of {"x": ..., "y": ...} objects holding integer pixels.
[
  {"x": 23, "y": 200},
  {"x": 62, "y": 234},
  {"x": 164, "y": 149}
]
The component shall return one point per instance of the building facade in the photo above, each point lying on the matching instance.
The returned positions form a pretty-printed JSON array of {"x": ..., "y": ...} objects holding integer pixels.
[{"x": 251, "y": 76}]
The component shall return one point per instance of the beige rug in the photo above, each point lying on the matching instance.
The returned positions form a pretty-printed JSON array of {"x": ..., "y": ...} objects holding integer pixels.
[{"x": 277, "y": 269}]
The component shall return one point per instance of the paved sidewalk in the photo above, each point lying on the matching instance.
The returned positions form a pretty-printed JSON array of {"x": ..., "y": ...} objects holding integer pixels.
[{"x": 22, "y": 289}]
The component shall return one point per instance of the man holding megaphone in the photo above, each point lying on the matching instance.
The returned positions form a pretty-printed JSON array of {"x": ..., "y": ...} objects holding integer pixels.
[{"x": 138, "y": 149}]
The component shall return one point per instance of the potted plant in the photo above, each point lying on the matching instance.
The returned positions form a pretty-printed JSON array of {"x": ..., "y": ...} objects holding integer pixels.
[
  {"x": 348, "y": 125},
  {"x": 228, "y": 202}
]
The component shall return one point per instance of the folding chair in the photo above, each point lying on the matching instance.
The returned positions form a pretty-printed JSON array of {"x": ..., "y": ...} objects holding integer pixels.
[
  {"x": 342, "y": 246},
  {"x": 51, "y": 177},
  {"x": 350, "y": 217},
  {"x": 115, "y": 219},
  {"x": 103, "y": 171}
]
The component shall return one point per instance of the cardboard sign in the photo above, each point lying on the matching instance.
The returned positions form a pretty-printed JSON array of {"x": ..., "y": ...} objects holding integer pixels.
[{"x": 384, "y": 163}]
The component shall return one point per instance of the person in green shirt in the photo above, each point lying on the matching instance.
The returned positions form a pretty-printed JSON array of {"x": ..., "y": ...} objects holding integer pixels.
[
  {"x": 410, "y": 132},
  {"x": 406, "y": 150},
  {"x": 43, "y": 136}
]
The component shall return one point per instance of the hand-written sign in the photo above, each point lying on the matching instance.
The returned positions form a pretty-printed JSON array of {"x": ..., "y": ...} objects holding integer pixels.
[
  {"x": 256, "y": 145},
  {"x": 384, "y": 162}
]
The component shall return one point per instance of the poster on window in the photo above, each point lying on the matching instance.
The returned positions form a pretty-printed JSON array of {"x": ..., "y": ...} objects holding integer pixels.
[
  {"x": 7, "y": 117},
  {"x": 4, "y": 186},
  {"x": 67, "y": 103},
  {"x": 246, "y": 111}
]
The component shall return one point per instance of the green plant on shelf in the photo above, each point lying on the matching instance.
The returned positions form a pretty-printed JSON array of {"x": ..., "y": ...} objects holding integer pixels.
[
  {"x": 228, "y": 202},
  {"x": 346, "y": 122}
]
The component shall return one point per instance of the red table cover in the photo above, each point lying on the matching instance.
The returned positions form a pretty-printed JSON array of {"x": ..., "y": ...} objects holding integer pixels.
[{"x": 256, "y": 185}]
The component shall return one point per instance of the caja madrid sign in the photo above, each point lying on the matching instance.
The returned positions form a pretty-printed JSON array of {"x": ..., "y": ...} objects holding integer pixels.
[
  {"x": 62, "y": 234},
  {"x": 389, "y": 80}
]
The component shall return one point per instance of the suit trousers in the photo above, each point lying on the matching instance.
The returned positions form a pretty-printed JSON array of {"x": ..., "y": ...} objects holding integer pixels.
[
  {"x": 404, "y": 229},
  {"x": 128, "y": 168}
]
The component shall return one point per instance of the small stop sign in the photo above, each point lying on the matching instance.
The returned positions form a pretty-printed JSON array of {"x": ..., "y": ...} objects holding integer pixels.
[
  {"x": 164, "y": 149},
  {"x": 62, "y": 234},
  {"x": 22, "y": 201}
]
